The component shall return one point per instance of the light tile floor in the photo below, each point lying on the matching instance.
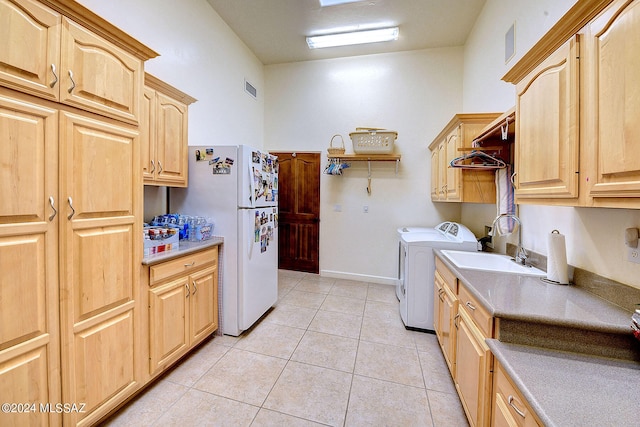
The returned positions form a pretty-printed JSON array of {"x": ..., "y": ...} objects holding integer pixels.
[{"x": 332, "y": 352}]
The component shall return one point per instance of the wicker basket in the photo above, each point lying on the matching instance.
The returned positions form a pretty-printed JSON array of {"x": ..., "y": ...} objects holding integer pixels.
[
  {"x": 373, "y": 141},
  {"x": 335, "y": 151}
]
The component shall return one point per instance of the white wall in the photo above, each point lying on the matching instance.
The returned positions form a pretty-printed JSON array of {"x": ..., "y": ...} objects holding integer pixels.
[
  {"x": 201, "y": 56},
  {"x": 414, "y": 93},
  {"x": 595, "y": 237}
]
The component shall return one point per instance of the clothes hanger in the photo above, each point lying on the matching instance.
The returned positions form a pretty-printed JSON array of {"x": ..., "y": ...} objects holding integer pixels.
[{"x": 470, "y": 161}]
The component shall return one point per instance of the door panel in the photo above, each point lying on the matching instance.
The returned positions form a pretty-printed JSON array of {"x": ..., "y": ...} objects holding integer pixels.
[{"x": 299, "y": 211}]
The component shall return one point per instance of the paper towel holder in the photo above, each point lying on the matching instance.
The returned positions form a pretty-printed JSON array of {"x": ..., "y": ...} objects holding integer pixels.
[{"x": 631, "y": 237}]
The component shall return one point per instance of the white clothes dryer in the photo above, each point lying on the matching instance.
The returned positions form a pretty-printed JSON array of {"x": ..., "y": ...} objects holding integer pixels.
[{"x": 417, "y": 269}]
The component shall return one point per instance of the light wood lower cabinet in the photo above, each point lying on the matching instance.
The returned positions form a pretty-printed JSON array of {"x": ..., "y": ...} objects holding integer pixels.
[
  {"x": 29, "y": 304},
  {"x": 183, "y": 306},
  {"x": 444, "y": 314},
  {"x": 462, "y": 325},
  {"x": 473, "y": 369},
  {"x": 510, "y": 409}
]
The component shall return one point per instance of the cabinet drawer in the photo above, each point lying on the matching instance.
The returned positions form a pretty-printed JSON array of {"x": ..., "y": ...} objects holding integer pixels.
[
  {"x": 182, "y": 265},
  {"x": 514, "y": 409},
  {"x": 450, "y": 279},
  {"x": 481, "y": 317}
]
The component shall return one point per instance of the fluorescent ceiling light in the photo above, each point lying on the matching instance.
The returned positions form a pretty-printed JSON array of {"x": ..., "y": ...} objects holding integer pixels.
[
  {"x": 355, "y": 37},
  {"x": 325, "y": 3}
]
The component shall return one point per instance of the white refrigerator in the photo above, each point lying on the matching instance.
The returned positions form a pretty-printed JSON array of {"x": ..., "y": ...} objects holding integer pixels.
[{"x": 237, "y": 187}]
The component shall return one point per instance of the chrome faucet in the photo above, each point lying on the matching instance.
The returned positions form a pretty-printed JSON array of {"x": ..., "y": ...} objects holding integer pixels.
[{"x": 521, "y": 253}]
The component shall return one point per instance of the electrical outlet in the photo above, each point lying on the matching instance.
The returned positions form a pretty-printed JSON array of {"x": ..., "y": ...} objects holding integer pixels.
[
  {"x": 337, "y": 208},
  {"x": 633, "y": 255},
  {"x": 365, "y": 209}
]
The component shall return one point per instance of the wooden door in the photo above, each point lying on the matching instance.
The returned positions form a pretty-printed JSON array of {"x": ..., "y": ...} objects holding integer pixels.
[
  {"x": 204, "y": 303},
  {"x": 299, "y": 211},
  {"x": 453, "y": 142},
  {"x": 98, "y": 76},
  {"x": 472, "y": 374},
  {"x": 168, "y": 323},
  {"x": 614, "y": 45},
  {"x": 30, "y": 55},
  {"x": 171, "y": 141},
  {"x": 29, "y": 337},
  {"x": 547, "y": 134},
  {"x": 100, "y": 188},
  {"x": 148, "y": 135}
]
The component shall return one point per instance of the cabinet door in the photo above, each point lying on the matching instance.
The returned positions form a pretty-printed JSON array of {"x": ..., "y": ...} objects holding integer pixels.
[
  {"x": 615, "y": 43},
  {"x": 98, "y": 76},
  {"x": 29, "y": 334},
  {"x": 442, "y": 171},
  {"x": 171, "y": 141},
  {"x": 473, "y": 366},
  {"x": 204, "y": 303},
  {"x": 449, "y": 309},
  {"x": 30, "y": 47},
  {"x": 435, "y": 175},
  {"x": 453, "y": 185},
  {"x": 100, "y": 247},
  {"x": 168, "y": 322},
  {"x": 547, "y": 135},
  {"x": 148, "y": 135}
]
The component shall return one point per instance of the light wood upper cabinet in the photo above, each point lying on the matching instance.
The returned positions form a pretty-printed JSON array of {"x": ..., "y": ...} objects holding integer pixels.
[
  {"x": 79, "y": 59},
  {"x": 614, "y": 43},
  {"x": 547, "y": 135},
  {"x": 454, "y": 184},
  {"x": 98, "y": 76},
  {"x": 31, "y": 63},
  {"x": 165, "y": 134},
  {"x": 29, "y": 324},
  {"x": 581, "y": 117}
]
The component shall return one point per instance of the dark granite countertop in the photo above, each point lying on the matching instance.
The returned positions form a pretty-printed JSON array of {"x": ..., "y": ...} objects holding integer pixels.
[{"x": 185, "y": 248}]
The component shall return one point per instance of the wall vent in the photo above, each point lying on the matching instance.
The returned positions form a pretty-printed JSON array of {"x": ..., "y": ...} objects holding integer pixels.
[{"x": 250, "y": 89}]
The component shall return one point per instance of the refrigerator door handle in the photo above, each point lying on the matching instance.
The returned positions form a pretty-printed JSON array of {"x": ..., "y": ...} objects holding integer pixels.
[
  {"x": 253, "y": 241},
  {"x": 251, "y": 186}
]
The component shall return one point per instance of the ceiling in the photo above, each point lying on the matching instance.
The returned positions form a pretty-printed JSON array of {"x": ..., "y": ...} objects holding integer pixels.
[{"x": 275, "y": 30}]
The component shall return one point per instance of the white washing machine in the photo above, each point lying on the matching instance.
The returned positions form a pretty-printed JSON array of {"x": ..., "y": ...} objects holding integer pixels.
[{"x": 417, "y": 269}]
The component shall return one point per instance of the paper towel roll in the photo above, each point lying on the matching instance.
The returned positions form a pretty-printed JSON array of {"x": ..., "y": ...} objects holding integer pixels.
[{"x": 557, "y": 269}]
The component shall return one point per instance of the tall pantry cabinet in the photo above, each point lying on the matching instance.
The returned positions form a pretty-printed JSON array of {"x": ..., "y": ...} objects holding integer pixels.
[{"x": 70, "y": 252}]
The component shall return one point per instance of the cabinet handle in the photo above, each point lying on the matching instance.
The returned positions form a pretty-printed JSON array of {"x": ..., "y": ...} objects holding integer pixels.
[
  {"x": 195, "y": 288},
  {"x": 55, "y": 76},
  {"x": 160, "y": 166},
  {"x": 515, "y": 408},
  {"x": 471, "y": 306},
  {"x": 73, "y": 83},
  {"x": 186, "y": 285},
  {"x": 153, "y": 167},
  {"x": 190, "y": 265},
  {"x": 55, "y": 212},
  {"x": 455, "y": 320},
  {"x": 73, "y": 211},
  {"x": 513, "y": 180}
]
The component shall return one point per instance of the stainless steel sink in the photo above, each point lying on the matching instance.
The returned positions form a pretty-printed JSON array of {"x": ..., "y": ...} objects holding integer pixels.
[{"x": 490, "y": 262}]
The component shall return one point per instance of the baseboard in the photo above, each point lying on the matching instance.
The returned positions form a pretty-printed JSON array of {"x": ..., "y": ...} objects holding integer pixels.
[{"x": 392, "y": 281}]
